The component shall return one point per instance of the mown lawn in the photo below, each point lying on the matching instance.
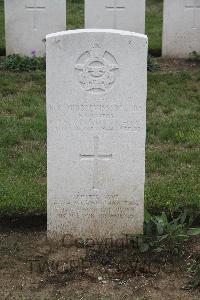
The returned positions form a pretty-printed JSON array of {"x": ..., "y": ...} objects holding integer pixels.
[
  {"x": 22, "y": 140},
  {"x": 154, "y": 20},
  {"x": 173, "y": 136},
  {"x": 75, "y": 19},
  {"x": 172, "y": 161},
  {"x": 2, "y": 34}
]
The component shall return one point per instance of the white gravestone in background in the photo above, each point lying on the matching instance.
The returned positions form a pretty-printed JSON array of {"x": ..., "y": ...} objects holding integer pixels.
[
  {"x": 181, "y": 27},
  {"x": 115, "y": 14},
  {"x": 96, "y": 116},
  {"x": 27, "y": 22}
]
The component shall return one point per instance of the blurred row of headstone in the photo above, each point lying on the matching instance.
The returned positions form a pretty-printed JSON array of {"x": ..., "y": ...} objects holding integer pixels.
[{"x": 28, "y": 22}]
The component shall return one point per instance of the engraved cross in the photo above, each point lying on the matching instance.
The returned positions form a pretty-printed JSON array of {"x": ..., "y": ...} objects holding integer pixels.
[
  {"x": 35, "y": 6},
  {"x": 115, "y": 6},
  {"x": 195, "y": 7},
  {"x": 95, "y": 157}
]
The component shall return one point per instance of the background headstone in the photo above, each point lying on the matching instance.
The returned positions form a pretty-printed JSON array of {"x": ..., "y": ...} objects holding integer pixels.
[
  {"x": 115, "y": 14},
  {"x": 27, "y": 22},
  {"x": 96, "y": 119},
  {"x": 181, "y": 27}
]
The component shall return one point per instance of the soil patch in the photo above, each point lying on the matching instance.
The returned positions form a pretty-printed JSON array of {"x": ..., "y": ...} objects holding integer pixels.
[
  {"x": 32, "y": 268},
  {"x": 174, "y": 65}
]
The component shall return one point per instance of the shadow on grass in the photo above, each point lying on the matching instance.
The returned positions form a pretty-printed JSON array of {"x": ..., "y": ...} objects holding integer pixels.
[
  {"x": 2, "y": 52},
  {"x": 23, "y": 223},
  {"x": 155, "y": 52}
]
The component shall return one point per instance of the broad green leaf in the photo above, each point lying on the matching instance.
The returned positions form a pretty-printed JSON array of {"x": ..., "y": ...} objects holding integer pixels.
[{"x": 194, "y": 231}]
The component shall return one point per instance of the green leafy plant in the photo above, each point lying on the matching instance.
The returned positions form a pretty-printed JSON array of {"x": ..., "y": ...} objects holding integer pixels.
[
  {"x": 165, "y": 234},
  {"x": 18, "y": 63},
  {"x": 169, "y": 234},
  {"x": 152, "y": 64},
  {"x": 194, "y": 56}
]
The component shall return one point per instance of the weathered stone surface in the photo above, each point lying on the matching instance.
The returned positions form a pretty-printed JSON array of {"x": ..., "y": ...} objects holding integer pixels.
[
  {"x": 27, "y": 22},
  {"x": 96, "y": 113},
  {"x": 115, "y": 14},
  {"x": 181, "y": 28}
]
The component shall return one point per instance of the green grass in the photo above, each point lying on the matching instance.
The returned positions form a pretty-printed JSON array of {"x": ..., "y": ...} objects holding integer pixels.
[
  {"x": 154, "y": 19},
  {"x": 75, "y": 19},
  {"x": 75, "y": 14},
  {"x": 22, "y": 141},
  {"x": 173, "y": 134},
  {"x": 2, "y": 34}
]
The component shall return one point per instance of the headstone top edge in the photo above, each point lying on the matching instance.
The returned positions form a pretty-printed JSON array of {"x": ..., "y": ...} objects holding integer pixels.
[{"x": 82, "y": 31}]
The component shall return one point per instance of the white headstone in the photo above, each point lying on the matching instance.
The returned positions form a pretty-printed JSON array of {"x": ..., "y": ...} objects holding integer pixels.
[
  {"x": 27, "y": 22},
  {"x": 96, "y": 119},
  {"x": 181, "y": 27},
  {"x": 115, "y": 14}
]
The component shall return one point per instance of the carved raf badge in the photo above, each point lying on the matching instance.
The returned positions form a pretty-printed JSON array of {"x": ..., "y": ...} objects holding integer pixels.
[{"x": 96, "y": 70}]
